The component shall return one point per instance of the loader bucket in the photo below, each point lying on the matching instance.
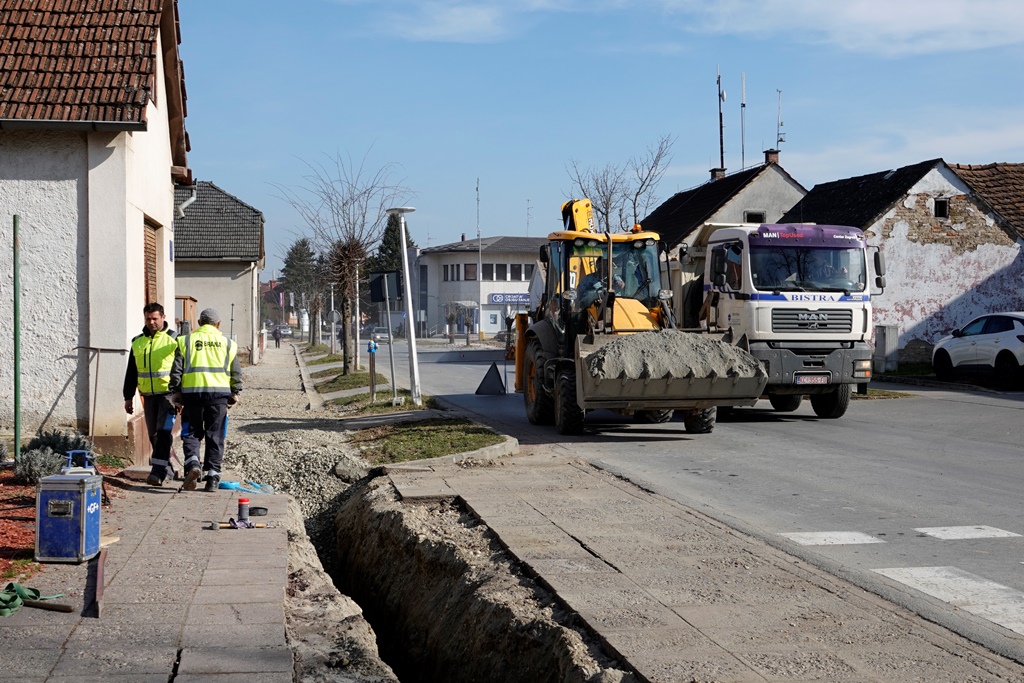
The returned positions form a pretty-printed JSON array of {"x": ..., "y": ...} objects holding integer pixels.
[{"x": 663, "y": 369}]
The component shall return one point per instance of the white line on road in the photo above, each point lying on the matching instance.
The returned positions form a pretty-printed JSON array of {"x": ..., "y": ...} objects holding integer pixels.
[
  {"x": 954, "y": 533},
  {"x": 831, "y": 538}
]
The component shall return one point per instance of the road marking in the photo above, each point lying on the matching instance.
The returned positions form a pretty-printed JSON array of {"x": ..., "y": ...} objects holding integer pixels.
[
  {"x": 989, "y": 600},
  {"x": 831, "y": 538},
  {"x": 953, "y": 533}
]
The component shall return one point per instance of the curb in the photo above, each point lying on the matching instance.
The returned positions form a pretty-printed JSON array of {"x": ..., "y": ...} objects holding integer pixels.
[
  {"x": 932, "y": 383},
  {"x": 316, "y": 401}
]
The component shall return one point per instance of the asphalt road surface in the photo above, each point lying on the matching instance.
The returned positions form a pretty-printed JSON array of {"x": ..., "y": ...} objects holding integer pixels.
[{"x": 917, "y": 498}]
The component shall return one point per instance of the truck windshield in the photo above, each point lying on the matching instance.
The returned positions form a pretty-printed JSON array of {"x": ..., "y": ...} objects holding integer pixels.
[
  {"x": 635, "y": 272},
  {"x": 807, "y": 269}
]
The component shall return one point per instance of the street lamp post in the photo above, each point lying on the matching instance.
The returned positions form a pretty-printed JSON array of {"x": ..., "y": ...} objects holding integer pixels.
[{"x": 414, "y": 369}]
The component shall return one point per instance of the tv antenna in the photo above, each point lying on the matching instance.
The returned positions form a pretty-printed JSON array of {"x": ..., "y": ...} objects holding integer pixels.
[
  {"x": 743, "y": 119},
  {"x": 780, "y": 136},
  {"x": 528, "y": 217},
  {"x": 721, "y": 122}
]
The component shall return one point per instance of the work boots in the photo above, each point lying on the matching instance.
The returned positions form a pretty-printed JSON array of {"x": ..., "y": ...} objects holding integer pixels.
[
  {"x": 212, "y": 483},
  {"x": 192, "y": 475}
]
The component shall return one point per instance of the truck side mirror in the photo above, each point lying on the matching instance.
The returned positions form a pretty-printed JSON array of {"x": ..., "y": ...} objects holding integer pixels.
[
  {"x": 879, "y": 263},
  {"x": 544, "y": 256},
  {"x": 684, "y": 249}
]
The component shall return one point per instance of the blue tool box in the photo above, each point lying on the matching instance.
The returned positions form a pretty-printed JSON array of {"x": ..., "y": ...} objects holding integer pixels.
[{"x": 68, "y": 517}]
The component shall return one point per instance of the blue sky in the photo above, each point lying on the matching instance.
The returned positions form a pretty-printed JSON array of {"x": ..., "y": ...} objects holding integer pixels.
[{"x": 509, "y": 91}]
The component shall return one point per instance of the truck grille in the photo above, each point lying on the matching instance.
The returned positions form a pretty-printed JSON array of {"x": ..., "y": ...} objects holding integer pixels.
[{"x": 803, "y": 320}]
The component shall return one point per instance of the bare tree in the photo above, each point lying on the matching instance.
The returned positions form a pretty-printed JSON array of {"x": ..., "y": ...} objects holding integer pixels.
[
  {"x": 345, "y": 204},
  {"x": 621, "y": 195}
]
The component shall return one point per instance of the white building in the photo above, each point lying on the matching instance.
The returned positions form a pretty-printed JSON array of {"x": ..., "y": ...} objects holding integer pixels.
[
  {"x": 92, "y": 140},
  {"x": 453, "y": 279}
]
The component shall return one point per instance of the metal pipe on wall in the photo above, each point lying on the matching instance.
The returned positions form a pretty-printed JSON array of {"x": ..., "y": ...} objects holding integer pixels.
[{"x": 17, "y": 342}]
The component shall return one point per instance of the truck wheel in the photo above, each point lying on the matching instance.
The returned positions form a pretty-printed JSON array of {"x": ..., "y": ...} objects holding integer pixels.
[
  {"x": 699, "y": 421},
  {"x": 653, "y": 417},
  {"x": 833, "y": 404},
  {"x": 539, "y": 406},
  {"x": 568, "y": 414},
  {"x": 785, "y": 403}
]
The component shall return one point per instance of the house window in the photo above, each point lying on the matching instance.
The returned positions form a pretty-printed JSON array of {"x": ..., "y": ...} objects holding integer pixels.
[
  {"x": 470, "y": 271},
  {"x": 529, "y": 271},
  {"x": 942, "y": 208},
  {"x": 446, "y": 273},
  {"x": 456, "y": 272},
  {"x": 500, "y": 271},
  {"x": 753, "y": 217},
  {"x": 517, "y": 271},
  {"x": 488, "y": 273}
]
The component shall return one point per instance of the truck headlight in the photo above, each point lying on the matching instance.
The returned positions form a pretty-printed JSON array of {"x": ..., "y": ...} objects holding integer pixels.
[{"x": 862, "y": 368}]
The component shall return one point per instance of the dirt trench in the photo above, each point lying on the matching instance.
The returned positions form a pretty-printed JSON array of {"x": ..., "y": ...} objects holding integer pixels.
[{"x": 448, "y": 603}]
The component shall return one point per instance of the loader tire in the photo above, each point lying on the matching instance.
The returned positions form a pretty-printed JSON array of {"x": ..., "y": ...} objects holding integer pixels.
[
  {"x": 699, "y": 421},
  {"x": 785, "y": 403},
  {"x": 653, "y": 417},
  {"x": 539, "y": 405},
  {"x": 832, "y": 405},
  {"x": 568, "y": 414}
]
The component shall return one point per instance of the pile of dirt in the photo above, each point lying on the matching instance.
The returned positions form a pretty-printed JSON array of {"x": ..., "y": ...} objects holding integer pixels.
[{"x": 663, "y": 354}]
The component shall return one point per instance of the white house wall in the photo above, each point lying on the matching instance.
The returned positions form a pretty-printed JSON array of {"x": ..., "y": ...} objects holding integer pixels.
[
  {"x": 221, "y": 285},
  {"x": 771, "y": 192},
  {"x": 44, "y": 180},
  {"x": 941, "y": 273}
]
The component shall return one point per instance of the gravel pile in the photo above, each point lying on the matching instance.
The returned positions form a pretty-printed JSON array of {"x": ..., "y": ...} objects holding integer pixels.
[{"x": 661, "y": 354}]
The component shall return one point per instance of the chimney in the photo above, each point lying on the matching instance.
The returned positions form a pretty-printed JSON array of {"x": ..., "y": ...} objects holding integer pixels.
[
  {"x": 717, "y": 173},
  {"x": 771, "y": 156},
  {"x": 463, "y": 237}
]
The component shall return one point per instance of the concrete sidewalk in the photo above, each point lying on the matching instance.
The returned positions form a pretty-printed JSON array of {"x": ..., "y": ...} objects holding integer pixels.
[
  {"x": 681, "y": 597},
  {"x": 179, "y": 603}
]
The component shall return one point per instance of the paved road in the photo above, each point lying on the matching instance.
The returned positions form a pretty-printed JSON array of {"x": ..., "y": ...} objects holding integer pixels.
[{"x": 916, "y": 498}]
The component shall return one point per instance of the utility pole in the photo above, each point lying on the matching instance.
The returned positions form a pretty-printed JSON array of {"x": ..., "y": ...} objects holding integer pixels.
[{"x": 479, "y": 269}]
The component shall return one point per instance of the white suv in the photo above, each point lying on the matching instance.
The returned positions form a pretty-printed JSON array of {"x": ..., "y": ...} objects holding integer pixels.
[{"x": 991, "y": 345}]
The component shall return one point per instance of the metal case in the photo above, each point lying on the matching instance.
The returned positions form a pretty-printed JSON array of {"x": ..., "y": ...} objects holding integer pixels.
[{"x": 68, "y": 517}]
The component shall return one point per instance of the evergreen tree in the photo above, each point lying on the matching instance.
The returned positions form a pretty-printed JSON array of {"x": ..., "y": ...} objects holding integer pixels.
[
  {"x": 300, "y": 273},
  {"x": 389, "y": 255}
]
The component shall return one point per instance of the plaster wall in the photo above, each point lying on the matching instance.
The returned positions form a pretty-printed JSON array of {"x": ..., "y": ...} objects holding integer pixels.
[
  {"x": 43, "y": 179},
  {"x": 221, "y": 285},
  {"x": 941, "y": 272},
  {"x": 772, "y": 193}
]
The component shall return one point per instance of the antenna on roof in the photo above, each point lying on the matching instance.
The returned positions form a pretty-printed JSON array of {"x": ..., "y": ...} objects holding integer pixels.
[
  {"x": 743, "y": 119},
  {"x": 528, "y": 217},
  {"x": 780, "y": 137},
  {"x": 721, "y": 122}
]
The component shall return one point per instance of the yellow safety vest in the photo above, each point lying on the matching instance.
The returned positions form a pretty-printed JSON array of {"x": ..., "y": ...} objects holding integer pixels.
[
  {"x": 154, "y": 357},
  {"x": 208, "y": 356}
]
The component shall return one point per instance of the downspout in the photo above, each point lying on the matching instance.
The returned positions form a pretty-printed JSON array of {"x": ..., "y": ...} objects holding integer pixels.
[{"x": 179, "y": 210}]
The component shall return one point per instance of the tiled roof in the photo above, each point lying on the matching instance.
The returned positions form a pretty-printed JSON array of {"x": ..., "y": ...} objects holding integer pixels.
[
  {"x": 216, "y": 225},
  {"x": 1001, "y": 187},
  {"x": 684, "y": 212},
  {"x": 78, "y": 61},
  {"x": 857, "y": 201},
  {"x": 491, "y": 245}
]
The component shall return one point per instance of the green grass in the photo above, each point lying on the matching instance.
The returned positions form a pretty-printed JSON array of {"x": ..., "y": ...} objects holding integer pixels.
[
  {"x": 21, "y": 568},
  {"x": 359, "y": 404},
  {"x": 331, "y": 358},
  {"x": 112, "y": 461},
  {"x": 423, "y": 439},
  {"x": 354, "y": 381},
  {"x": 315, "y": 349}
]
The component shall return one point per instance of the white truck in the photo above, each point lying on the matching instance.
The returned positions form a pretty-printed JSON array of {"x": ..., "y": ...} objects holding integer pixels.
[{"x": 796, "y": 296}]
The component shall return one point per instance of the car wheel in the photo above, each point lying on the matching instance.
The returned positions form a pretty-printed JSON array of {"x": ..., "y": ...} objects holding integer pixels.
[
  {"x": 943, "y": 366},
  {"x": 785, "y": 403},
  {"x": 1007, "y": 371}
]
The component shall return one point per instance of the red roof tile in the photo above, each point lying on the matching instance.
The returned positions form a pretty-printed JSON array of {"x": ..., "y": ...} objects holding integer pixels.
[
  {"x": 999, "y": 185},
  {"x": 78, "y": 60}
]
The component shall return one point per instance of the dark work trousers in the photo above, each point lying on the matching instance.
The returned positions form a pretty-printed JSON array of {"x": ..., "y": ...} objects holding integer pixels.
[
  {"x": 160, "y": 418},
  {"x": 209, "y": 423}
]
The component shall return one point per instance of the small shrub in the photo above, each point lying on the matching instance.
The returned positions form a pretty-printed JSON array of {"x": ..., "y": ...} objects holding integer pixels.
[
  {"x": 38, "y": 463},
  {"x": 61, "y": 442},
  {"x": 4, "y": 454}
]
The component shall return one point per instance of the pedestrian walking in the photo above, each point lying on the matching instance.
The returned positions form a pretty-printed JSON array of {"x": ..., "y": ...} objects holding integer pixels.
[
  {"x": 149, "y": 372},
  {"x": 277, "y": 336},
  {"x": 206, "y": 379}
]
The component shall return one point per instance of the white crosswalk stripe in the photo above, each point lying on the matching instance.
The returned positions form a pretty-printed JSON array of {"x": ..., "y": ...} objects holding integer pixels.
[{"x": 953, "y": 533}]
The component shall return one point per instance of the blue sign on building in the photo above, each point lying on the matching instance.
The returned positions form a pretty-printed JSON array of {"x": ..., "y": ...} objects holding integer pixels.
[{"x": 510, "y": 298}]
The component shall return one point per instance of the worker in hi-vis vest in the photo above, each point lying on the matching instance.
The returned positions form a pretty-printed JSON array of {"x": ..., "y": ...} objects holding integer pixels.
[
  {"x": 206, "y": 379},
  {"x": 149, "y": 372}
]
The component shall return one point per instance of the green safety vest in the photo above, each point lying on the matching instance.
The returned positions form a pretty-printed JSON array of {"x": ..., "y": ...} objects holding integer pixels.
[
  {"x": 154, "y": 357},
  {"x": 208, "y": 356}
]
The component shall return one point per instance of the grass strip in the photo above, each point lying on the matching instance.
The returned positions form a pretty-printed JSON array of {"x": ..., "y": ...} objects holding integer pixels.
[{"x": 422, "y": 439}]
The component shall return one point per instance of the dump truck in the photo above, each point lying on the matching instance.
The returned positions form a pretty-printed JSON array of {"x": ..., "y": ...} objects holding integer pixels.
[
  {"x": 603, "y": 336},
  {"x": 797, "y": 296}
]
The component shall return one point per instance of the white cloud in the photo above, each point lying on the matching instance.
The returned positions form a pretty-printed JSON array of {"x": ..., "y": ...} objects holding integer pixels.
[{"x": 890, "y": 28}]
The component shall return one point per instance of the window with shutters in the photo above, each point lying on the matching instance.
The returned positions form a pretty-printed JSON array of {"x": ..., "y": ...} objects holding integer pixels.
[{"x": 150, "y": 259}]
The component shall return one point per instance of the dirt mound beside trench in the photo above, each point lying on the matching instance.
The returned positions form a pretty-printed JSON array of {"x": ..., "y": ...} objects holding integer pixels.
[
  {"x": 455, "y": 600},
  {"x": 660, "y": 354}
]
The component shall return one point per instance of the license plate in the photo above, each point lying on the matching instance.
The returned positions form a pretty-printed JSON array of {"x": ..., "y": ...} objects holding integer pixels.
[{"x": 812, "y": 379}]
